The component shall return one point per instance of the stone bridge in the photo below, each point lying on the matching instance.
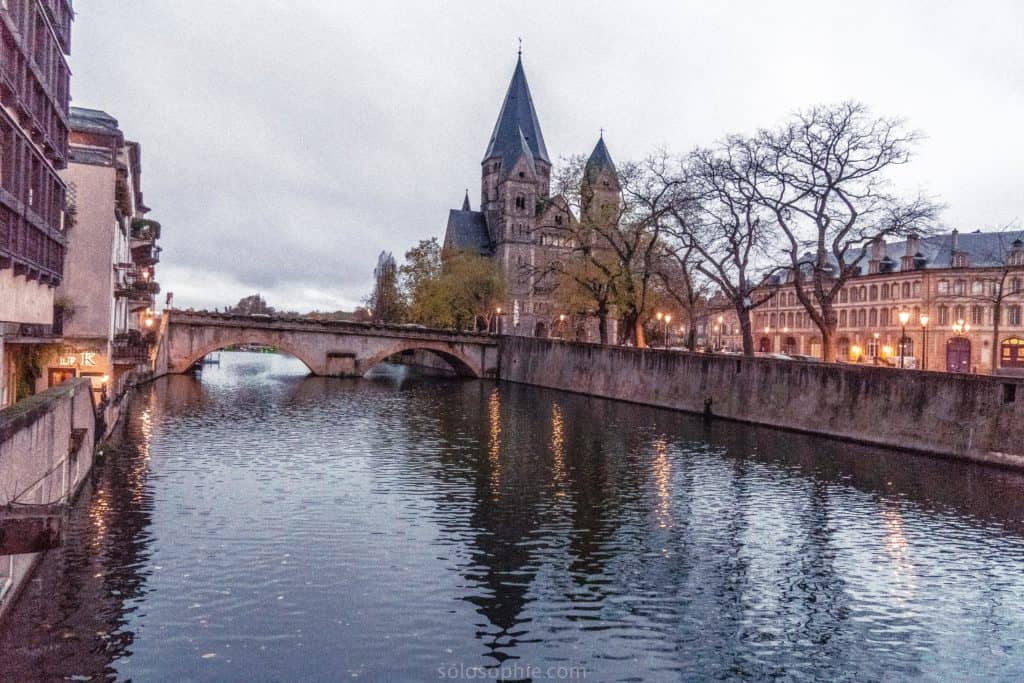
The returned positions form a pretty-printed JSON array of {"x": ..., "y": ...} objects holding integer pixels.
[{"x": 345, "y": 349}]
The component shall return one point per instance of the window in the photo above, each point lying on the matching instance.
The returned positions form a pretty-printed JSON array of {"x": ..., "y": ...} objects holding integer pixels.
[
  {"x": 943, "y": 315},
  {"x": 792, "y": 299},
  {"x": 943, "y": 287},
  {"x": 873, "y": 317},
  {"x": 520, "y": 202},
  {"x": 873, "y": 293},
  {"x": 863, "y": 293},
  {"x": 977, "y": 315},
  {"x": 1015, "y": 285},
  {"x": 1013, "y": 316},
  {"x": 884, "y": 321},
  {"x": 917, "y": 288},
  {"x": 977, "y": 288},
  {"x": 854, "y": 295},
  {"x": 906, "y": 290},
  {"x": 960, "y": 287},
  {"x": 843, "y": 298},
  {"x": 885, "y": 291},
  {"x": 558, "y": 219},
  {"x": 959, "y": 313},
  {"x": 842, "y": 318},
  {"x": 862, "y": 318}
]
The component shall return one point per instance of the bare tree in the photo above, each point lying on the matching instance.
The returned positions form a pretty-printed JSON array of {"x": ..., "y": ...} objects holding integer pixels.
[
  {"x": 822, "y": 179},
  {"x": 721, "y": 223},
  {"x": 1004, "y": 260},
  {"x": 683, "y": 282}
]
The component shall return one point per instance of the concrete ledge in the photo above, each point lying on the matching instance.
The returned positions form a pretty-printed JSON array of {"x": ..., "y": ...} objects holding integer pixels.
[{"x": 28, "y": 411}]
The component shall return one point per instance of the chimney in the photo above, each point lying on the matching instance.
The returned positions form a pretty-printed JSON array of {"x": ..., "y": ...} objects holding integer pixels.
[
  {"x": 875, "y": 253},
  {"x": 907, "y": 262},
  {"x": 956, "y": 240}
]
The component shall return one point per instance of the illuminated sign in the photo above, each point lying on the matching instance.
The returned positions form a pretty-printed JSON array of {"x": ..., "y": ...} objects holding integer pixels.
[{"x": 85, "y": 359}]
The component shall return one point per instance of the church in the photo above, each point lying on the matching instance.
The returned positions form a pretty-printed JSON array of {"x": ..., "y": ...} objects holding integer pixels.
[{"x": 521, "y": 225}]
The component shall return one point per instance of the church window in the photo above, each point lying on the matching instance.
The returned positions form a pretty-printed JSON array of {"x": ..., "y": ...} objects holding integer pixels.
[
  {"x": 558, "y": 220},
  {"x": 520, "y": 202}
]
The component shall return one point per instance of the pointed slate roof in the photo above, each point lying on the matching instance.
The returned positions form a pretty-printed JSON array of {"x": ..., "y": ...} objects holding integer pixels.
[
  {"x": 600, "y": 160},
  {"x": 465, "y": 202},
  {"x": 467, "y": 231},
  {"x": 517, "y": 119},
  {"x": 513, "y": 154}
]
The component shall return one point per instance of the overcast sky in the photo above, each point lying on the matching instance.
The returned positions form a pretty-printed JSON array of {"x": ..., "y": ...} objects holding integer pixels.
[{"x": 285, "y": 144}]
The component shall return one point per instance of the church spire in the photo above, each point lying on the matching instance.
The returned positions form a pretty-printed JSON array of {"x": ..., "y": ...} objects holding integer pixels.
[
  {"x": 517, "y": 117},
  {"x": 465, "y": 202},
  {"x": 600, "y": 160}
]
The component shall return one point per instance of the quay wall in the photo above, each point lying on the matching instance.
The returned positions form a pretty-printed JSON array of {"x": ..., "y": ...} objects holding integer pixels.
[
  {"x": 974, "y": 417},
  {"x": 46, "y": 452}
]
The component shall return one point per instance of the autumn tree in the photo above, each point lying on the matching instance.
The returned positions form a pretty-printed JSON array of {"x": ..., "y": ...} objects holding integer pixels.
[
  {"x": 254, "y": 303},
  {"x": 822, "y": 179},
  {"x": 386, "y": 303}
]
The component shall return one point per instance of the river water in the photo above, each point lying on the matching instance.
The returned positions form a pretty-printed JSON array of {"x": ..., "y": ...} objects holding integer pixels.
[{"x": 260, "y": 525}]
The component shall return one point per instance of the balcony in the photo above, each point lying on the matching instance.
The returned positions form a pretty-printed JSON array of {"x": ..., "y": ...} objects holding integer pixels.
[{"x": 130, "y": 348}]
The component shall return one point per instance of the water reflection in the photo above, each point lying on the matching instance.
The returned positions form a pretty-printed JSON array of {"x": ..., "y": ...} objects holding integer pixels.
[{"x": 260, "y": 524}]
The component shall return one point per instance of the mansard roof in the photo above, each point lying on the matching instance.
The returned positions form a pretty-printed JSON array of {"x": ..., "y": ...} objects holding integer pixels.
[
  {"x": 600, "y": 160},
  {"x": 92, "y": 121},
  {"x": 517, "y": 118},
  {"x": 467, "y": 231},
  {"x": 982, "y": 249}
]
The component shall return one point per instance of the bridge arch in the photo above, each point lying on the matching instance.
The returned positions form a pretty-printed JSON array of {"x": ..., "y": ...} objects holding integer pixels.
[
  {"x": 454, "y": 357},
  {"x": 248, "y": 339}
]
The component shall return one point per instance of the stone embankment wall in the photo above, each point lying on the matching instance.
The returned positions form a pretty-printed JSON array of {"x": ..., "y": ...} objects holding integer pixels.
[
  {"x": 967, "y": 416},
  {"x": 46, "y": 451}
]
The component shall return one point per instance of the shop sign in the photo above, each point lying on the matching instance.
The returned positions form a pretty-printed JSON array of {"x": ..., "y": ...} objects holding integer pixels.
[{"x": 83, "y": 359}]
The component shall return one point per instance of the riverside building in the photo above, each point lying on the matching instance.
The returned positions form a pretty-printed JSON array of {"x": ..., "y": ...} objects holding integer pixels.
[
  {"x": 35, "y": 40},
  {"x": 962, "y": 293},
  {"x": 106, "y": 300}
]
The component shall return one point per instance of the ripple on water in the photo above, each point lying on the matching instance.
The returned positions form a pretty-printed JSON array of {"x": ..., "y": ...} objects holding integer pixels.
[{"x": 258, "y": 524}]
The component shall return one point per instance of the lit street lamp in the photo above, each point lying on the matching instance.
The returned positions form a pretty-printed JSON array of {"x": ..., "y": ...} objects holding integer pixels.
[
  {"x": 720, "y": 321},
  {"x": 561, "y": 321},
  {"x": 924, "y": 341},
  {"x": 668, "y": 319},
  {"x": 904, "y": 318}
]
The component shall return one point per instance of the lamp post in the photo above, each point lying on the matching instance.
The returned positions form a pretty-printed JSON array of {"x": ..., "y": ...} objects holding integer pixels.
[
  {"x": 904, "y": 318},
  {"x": 668, "y": 319},
  {"x": 924, "y": 341},
  {"x": 497, "y": 320},
  {"x": 875, "y": 357},
  {"x": 561, "y": 325},
  {"x": 659, "y": 315},
  {"x": 720, "y": 321}
]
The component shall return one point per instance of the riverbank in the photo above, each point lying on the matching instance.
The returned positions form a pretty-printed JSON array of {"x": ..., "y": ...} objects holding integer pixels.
[{"x": 972, "y": 417}]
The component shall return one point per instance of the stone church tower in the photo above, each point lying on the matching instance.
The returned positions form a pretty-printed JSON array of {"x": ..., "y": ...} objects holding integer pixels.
[{"x": 519, "y": 223}]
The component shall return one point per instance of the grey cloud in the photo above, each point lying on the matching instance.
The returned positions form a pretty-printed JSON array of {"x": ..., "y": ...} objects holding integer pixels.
[{"x": 286, "y": 144}]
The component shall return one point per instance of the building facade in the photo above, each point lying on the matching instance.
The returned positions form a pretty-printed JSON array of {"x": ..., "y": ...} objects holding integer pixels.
[
  {"x": 35, "y": 40},
  {"x": 107, "y": 297},
  {"x": 520, "y": 224},
  {"x": 963, "y": 295}
]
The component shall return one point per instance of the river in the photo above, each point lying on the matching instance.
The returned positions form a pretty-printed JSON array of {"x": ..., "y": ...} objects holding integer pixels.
[{"x": 256, "y": 524}]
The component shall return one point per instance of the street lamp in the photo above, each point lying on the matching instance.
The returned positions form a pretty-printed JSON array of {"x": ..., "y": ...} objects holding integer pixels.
[
  {"x": 924, "y": 341},
  {"x": 904, "y": 318},
  {"x": 720, "y": 321},
  {"x": 497, "y": 320},
  {"x": 875, "y": 357},
  {"x": 668, "y": 319},
  {"x": 561, "y": 320}
]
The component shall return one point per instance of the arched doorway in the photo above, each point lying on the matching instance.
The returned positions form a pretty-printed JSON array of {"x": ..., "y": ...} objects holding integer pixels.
[
  {"x": 540, "y": 330},
  {"x": 1011, "y": 353},
  {"x": 789, "y": 346},
  {"x": 843, "y": 349},
  {"x": 958, "y": 355},
  {"x": 764, "y": 345}
]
